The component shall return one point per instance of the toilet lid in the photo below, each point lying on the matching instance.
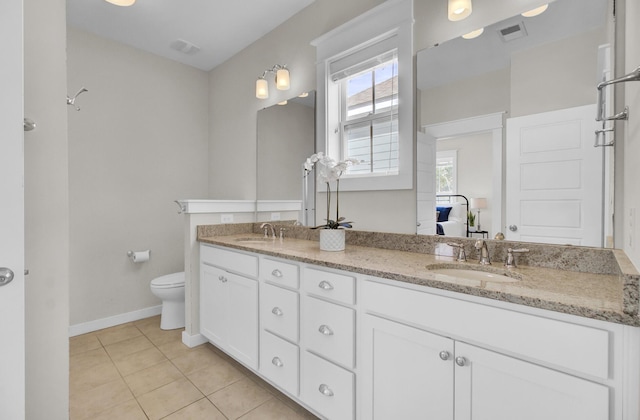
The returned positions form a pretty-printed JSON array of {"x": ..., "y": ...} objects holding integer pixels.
[{"x": 169, "y": 280}]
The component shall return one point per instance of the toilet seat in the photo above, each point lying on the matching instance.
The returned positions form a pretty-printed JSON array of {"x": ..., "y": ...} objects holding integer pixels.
[{"x": 168, "y": 281}]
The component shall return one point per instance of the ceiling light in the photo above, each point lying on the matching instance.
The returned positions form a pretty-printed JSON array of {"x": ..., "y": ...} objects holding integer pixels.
[
  {"x": 283, "y": 81},
  {"x": 473, "y": 34},
  {"x": 459, "y": 9},
  {"x": 121, "y": 2},
  {"x": 535, "y": 12}
]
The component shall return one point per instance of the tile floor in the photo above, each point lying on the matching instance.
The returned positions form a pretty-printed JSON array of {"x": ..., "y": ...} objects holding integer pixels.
[{"x": 138, "y": 371}]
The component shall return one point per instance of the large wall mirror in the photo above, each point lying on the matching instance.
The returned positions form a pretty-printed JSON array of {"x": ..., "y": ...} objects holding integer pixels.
[
  {"x": 509, "y": 116},
  {"x": 285, "y": 139}
]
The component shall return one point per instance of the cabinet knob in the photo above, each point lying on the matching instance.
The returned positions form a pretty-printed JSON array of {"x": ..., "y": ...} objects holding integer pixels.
[
  {"x": 276, "y": 273},
  {"x": 461, "y": 361},
  {"x": 276, "y": 311},
  {"x": 324, "y": 329},
  {"x": 444, "y": 355},
  {"x": 325, "y": 390},
  {"x": 277, "y": 362},
  {"x": 325, "y": 285},
  {"x": 222, "y": 279}
]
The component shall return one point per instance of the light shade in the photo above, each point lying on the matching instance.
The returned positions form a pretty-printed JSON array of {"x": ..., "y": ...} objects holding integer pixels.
[
  {"x": 535, "y": 12},
  {"x": 262, "y": 88},
  {"x": 473, "y": 34},
  {"x": 458, "y": 9},
  {"x": 282, "y": 79},
  {"x": 121, "y": 2},
  {"x": 478, "y": 203}
]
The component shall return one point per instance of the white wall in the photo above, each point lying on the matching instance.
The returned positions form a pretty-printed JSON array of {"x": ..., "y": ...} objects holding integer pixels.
[
  {"x": 234, "y": 107},
  {"x": 46, "y": 212},
  {"x": 139, "y": 142}
]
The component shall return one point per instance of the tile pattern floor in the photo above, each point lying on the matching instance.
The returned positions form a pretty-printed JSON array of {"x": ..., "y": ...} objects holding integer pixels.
[{"x": 138, "y": 371}]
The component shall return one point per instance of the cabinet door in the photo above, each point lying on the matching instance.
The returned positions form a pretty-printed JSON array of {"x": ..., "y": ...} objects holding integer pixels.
[
  {"x": 406, "y": 376},
  {"x": 242, "y": 319},
  {"x": 213, "y": 303},
  {"x": 491, "y": 386}
]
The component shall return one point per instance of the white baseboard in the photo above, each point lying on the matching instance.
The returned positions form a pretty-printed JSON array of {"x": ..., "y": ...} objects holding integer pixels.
[
  {"x": 111, "y": 321},
  {"x": 193, "y": 340}
]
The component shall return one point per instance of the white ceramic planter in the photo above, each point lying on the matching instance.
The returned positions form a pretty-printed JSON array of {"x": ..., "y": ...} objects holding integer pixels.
[{"x": 332, "y": 239}]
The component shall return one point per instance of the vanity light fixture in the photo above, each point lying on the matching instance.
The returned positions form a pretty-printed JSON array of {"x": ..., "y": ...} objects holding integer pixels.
[
  {"x": 458, "y": 9},
  {"x": 303, "y": 95},
  {"x": 121, "y": 2},
  {"x": 283, "y": 81},
  {"x": 473, "y": 34},
  {"x": 283, "y": 102},
  {"x": 535, "y": 12}
]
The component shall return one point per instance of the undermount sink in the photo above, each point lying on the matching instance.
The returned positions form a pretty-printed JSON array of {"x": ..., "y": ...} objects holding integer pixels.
[
  {"x": 255, "y": 240},
  {"x": 477, "y": 273}
]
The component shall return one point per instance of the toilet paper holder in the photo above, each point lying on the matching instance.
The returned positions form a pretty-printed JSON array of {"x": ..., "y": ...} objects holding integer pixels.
[{"x": 139, "y": 256}]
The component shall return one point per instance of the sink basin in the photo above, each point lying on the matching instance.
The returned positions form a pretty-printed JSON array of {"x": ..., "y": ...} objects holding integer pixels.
[
  {"x": 476, "y": 273},
  {"x": 255, "y": 240}
]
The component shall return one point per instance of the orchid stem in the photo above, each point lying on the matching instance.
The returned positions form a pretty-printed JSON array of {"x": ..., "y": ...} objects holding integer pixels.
[{"x": 328, "y": 201}]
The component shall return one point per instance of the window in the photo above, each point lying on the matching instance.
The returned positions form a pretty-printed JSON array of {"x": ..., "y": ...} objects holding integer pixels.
[
  {"x": 365, "y": 101},
  {"x": 369, "y": 118},
  {"x": 446, "y": 170}
]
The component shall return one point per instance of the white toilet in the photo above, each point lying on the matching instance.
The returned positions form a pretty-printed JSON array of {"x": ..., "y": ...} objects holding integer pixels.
[{"x": 170, "y": 288}]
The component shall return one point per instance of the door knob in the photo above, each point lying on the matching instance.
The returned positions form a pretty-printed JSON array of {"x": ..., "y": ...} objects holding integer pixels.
[
  {"x": 6, "y": 275},
  {"x": 513, "y": 228}
]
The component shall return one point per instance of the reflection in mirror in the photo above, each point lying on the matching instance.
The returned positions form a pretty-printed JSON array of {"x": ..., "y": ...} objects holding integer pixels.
[
  {"x": 285, "y": 139},
  {"x": 517, "y": 105}
]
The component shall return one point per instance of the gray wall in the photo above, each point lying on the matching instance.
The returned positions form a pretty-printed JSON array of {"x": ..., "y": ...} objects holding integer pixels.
[
  {"x": 46, "y": 212},
  {"x": 139, "y": 142}
]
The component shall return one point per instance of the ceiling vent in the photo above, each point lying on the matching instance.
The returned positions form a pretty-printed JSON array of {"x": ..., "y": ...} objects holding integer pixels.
[
  {"x": 184, "y": 47},
  {"x": 512, "y": 32}
]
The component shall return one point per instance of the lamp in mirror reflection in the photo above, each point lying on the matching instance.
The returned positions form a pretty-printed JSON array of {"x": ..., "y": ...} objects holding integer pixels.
[
  {"x": 478, "y": 204},
  {"x": 473, "y": 34},
  {"x": 121, "y": 2},
  {"x": 535, "y": 12},
  {"x": 282, "y": 80},
  {"x": 458, "y": 9}
]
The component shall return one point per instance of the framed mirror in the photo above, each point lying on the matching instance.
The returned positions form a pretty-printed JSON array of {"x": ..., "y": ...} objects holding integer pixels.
[
  {"x": 516, "y": 106},
  {"x": 285, "y": 139}
]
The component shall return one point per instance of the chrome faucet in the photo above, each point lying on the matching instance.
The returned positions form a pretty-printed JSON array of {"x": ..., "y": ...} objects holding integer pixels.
[
  {"x": 481, "y": 246},
  {"x": 510, "y": 261},
  {"x": 266, "y": 227},
  {"x": 462, "y": 256}
]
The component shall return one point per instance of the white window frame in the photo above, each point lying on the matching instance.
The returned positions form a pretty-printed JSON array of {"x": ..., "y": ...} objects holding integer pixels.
[
  {"x": 392, "y": 21},
  {"x": 451, "y": 155}
]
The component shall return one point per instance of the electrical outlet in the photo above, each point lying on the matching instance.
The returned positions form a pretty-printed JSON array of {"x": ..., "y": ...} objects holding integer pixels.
[
  {"x": 275, "y": 216},
  {"x": 226, "y": 218}
]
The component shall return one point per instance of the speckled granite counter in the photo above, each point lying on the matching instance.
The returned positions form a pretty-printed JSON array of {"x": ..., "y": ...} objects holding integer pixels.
[{"x": 590, "y": 282}]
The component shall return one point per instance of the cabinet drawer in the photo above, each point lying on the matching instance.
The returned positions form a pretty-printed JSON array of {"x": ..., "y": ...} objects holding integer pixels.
[
  {"x": 279, "y": 311},
  {"x": 338, "y": 287},
  {"x": 535, "y": 337},
  {"x": 327, "y": 388},
  {"x": 230, "y": 260},
  {"x": 329, "y": 330},
  {"x": 279, "y": 272},
  {"x": 279, "y": 362}
]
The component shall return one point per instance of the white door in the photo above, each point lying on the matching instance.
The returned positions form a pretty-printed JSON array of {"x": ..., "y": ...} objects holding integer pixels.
[
  {"x": 409, "y": 372},
  {"x": 12, "y": 365},
  {"x": 491, "y": 386},
  {"x": 426, "y": 185},
  {"x": 554, "y": 191}
]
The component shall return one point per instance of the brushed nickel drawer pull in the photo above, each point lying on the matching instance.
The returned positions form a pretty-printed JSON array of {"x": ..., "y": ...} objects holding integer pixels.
[
  {"x": 324, "y": 329},
  {"x": 325, "y": 285}
]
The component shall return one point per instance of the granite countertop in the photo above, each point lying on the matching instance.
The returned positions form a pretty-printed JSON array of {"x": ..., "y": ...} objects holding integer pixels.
[{"x": 609, "y": 297}]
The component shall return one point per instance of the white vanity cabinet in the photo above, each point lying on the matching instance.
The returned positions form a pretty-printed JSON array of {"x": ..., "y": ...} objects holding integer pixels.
[
  {"x": 229, "y": 302},
  {"x": 328, "y": 382},
  {"x": 412, "y": 373},
  {"x": 280, "y": 323}
]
